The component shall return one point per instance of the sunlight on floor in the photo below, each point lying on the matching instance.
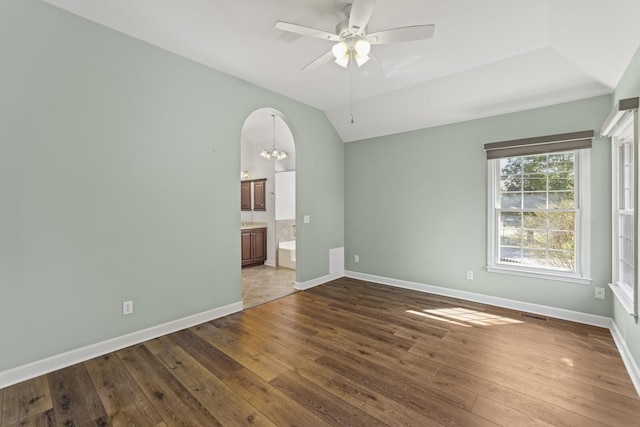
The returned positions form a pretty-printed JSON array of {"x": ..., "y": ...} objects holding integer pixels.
[
  {"x": 458, "y": 315},
  {"x": 567, "y": 361}
]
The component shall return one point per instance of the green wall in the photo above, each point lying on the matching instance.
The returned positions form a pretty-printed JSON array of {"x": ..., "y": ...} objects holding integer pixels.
[
  {"x": 628, "y": 87},
  {"x": 416, "y": 206},
  {"x": 119, "y": 179}
]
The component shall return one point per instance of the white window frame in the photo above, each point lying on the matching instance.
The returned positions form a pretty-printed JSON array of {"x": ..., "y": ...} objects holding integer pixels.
[
  {"x": 624, "y": 134},
  {"x": 582, "y": 188}
]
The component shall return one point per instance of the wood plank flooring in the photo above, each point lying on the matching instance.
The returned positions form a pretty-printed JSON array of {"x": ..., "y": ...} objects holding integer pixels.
[{"x": 346, "y": 353}]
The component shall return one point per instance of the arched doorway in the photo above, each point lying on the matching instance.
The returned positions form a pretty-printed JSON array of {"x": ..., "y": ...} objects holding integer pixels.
[{"x": 267, "y": 213}]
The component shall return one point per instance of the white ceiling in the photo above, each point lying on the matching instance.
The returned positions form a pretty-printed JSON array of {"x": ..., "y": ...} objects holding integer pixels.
[{"x": 487, "y": 57}]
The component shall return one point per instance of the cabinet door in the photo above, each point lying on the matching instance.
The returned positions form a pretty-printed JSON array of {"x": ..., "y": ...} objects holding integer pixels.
[
  {"x": 259, "y": 195},
  {"x": 259, "y": 244},
  {"x": 247, "y": 247},
  {"x": 245, "y": 196}
]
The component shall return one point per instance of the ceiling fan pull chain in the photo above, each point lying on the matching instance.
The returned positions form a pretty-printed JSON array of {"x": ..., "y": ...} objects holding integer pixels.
[{"x": 351, "y": 90}]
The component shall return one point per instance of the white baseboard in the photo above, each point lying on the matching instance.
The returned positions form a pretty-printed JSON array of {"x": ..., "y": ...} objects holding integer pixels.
[
  {"x": 627, "y": 358},
  {"x": 303, "y": 286},
  {"x": 63, "y": 360},
  {"x": 558, "y": 313},
  {"x": 270, "y": 263}
]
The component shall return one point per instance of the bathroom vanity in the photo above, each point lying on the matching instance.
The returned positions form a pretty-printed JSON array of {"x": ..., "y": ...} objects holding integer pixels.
[{"x": 253, "y": 236}]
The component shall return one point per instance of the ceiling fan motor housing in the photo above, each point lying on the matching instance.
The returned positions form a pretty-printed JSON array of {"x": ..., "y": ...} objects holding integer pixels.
[{"x": 342, "y": 30}]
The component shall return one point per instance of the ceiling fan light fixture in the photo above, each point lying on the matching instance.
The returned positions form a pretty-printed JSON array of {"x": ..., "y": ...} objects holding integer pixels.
[
  {"x": 339, "y": 50},
  {"x": 362, "y": 47},
  {"x": 361, "y": 59},
  {"x": 343, "y": 61}
]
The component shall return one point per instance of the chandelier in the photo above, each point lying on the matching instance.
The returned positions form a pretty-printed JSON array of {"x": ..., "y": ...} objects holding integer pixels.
[{"x": 273, "y": 153}]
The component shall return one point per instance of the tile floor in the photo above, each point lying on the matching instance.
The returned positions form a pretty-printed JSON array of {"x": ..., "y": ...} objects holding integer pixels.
[{"x": 262, "y": 283}]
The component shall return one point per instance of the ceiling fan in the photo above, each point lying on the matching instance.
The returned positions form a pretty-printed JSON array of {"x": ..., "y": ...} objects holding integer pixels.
[{"x": 351, "y": 37}]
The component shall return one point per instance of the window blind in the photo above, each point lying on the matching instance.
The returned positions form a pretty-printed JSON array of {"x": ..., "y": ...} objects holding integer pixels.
[{"x": 539, "y": 145}]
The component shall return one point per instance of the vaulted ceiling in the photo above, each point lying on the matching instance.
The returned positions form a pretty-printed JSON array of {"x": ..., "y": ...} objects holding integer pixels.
[{"x": 487, "y": 57}]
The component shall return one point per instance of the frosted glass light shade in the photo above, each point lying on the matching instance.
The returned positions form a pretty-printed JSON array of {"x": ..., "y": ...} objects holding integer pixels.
[
  {"x": 339, "y": 50},
  {"x": 362, "y": 47},
  {"x": 361, "y": 59},
  {"x": 344, "y": 61}
]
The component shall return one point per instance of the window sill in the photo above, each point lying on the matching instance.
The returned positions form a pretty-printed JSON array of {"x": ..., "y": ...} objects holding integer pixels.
[
  {"x": 538, "y": 275},
  {"x": 623, "y": 297}
]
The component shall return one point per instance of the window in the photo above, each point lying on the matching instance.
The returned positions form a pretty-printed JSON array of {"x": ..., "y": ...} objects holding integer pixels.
[
  {"x": 624, "y": 212},
  {"x": 539, "y": 212}
]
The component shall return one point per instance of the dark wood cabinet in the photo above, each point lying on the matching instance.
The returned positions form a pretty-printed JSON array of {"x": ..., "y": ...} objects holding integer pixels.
[
  {"x": 259, "y": 195},
  {"x": 245, "y": 195},
  {"x": 254, "y": 246}
]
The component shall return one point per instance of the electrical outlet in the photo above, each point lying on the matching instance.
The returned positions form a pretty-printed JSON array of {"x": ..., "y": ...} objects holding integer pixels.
[
  {"x": 127, "y": 308},
  {"x": 599, "y": 293},
  {"x": 469, "y": 274},
  {"x": 356, "y": 258}
]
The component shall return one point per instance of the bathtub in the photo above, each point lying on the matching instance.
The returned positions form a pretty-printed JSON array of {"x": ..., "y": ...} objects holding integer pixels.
[{"x": 287, "y": 254}]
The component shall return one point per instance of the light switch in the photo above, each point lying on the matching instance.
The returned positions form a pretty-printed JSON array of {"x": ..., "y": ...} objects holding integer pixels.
[{"x": 307, "y": 219}]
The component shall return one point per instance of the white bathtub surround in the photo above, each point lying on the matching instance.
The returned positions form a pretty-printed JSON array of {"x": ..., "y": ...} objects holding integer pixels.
[
  {"x": 285, "y": 230},
  {"x": 287, "y": 254}
]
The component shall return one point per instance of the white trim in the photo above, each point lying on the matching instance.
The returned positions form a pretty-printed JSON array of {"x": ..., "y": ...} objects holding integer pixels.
[
  {"x": 583, "y": 215},
  {"x": 270, "y": 263},
  {"x": 558, "y": 313},
  {"x": 515, "y": 271},
  {"x": 63, "y": 360},
  {"x": 627, "y": 357},
  {"x": 622, "y": 132},
  {"x": 623, "y": 298},
  {"x": 303, "y": 286}
]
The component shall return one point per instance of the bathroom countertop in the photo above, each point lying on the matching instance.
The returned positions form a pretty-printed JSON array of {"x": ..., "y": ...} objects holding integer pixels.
[{"x": 246, "y": 225}]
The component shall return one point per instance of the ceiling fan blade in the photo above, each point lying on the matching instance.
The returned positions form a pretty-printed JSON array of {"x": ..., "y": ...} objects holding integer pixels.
[
  {"x": 306, "y": 31},
  {"x": 319, "y": 62},
  {"x": 402, "y": 34},
  {"x": 360, "y": 14}
]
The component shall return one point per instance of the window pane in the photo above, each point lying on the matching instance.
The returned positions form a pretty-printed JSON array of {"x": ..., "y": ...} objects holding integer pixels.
[
  {"x": 534, "y": 200},
  {"x": 559, "y": 162},
  {"x": 534, "y": 257},
  {"x": 535, "y": 219},
  {"x": 510, "y": 200},
  {"x": 510, "y": 229},
  {"x": 534, "y": 239},
  {"x": 511, "y": 219},
  {"x": 561, "y": 200},
  {"x": 511, "y": 166},
  {"x": 511, "y": 255},
  {"x": 511, "y": 183},
  {"x": 562, "y": 259},
  {"x": 562, "y": 220},
  {"x": 512, "y": 237},
  {"x": 534, "y": 182},
  {"x": 561, "y": 181},
  {"x": 625, "y": 255},
  {"x": 532, "y": 164},
  {"x": 565, "y": 240}
]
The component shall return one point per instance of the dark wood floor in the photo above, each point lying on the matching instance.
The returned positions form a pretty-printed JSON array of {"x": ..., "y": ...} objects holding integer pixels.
[{"x": 346, "y": 353}]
